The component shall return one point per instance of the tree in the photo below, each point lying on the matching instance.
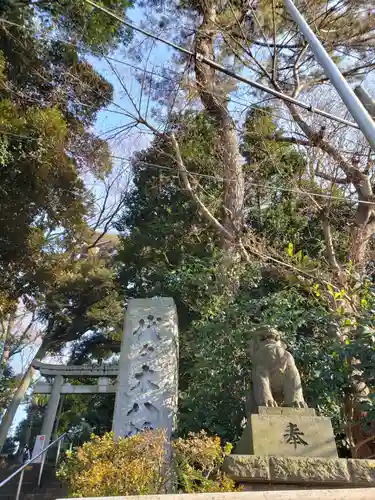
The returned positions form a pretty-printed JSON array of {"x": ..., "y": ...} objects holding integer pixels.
[
  {"x": 7, "y": 383},
  {"x": 83, "y": 297},
  {"x": 264, "y": 42},
  {"x": 50, "y": 98},
  {"x": 29, "y": 428},
  {"x": 169, "y": 249}
]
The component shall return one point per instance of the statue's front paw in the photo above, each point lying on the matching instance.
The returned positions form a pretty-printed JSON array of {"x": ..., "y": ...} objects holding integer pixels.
[
  {"x": 299, "y": 404},
  {"x": 271, "y": 403}
]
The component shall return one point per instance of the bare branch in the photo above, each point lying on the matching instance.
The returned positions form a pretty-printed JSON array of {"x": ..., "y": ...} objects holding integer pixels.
[
  {"x": 354, "y": 175},
  {"x": 331, "y": 255},
  {"x": 280, "y": 138},
  {"x": 298, "y": 85},
  {"x": 215, "y": 223},
  {"x": 274, "y": 58},
  {"x": 331, "y": 178},
  {"x": 205, "y": 211}
]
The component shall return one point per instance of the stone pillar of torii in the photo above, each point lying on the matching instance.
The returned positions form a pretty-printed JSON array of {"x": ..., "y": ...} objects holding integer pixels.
[{"x": 144, "y": 381}]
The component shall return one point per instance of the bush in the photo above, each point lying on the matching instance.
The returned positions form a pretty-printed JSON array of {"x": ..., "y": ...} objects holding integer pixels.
[
  {"x": 127, "y": 466},
  {"x": 137, "y": 465},
  {"x": 198, "y": 460}
]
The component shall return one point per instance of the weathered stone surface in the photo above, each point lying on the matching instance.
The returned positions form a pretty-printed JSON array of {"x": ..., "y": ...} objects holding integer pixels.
[
  {"x": 283, "y": 410},
  {"x": 250, "y": 467},
  {"x": 302, "y": 471},
  {"x": 293, "y": 435},
  {"x": 289, "y": 486},
  {"x": 147, "y": 383},
  {"x": 275, "y": 377},
  {"x": 343, "y": 494},
  {"x": 362, "y": 471},
  {"x": 312, "y": 470}
]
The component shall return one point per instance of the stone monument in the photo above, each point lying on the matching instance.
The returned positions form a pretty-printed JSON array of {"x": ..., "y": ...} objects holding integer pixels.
[
  {"x": 147, "y": 395},
  {"x": 284, "y": 443}
]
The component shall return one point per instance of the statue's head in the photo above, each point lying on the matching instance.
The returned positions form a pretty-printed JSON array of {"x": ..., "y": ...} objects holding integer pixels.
[
  {"x": 263, "y": 335},
  {"x": 266, "y": 333}
]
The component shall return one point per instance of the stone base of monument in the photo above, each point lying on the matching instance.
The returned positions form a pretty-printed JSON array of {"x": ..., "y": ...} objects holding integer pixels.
[
  {"x": 290, "y": 432},
  {"x": 361, "y": 494},
  {"x": 268, "y": 472},
  {"x": 291, "y": 448}
]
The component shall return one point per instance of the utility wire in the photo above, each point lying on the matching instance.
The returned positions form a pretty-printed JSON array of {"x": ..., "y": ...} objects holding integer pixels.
[
  {"x": 250, "y": 183},
  {"x": 237, "y": 100},
  {"x": 216, "y": 178},
  {"x": 222, "y": 69}
]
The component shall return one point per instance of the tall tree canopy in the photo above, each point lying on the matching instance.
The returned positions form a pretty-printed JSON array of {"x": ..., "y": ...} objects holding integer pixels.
[
  {"x": 50, "y": 95},
  {"x": 283, "y": 205}
]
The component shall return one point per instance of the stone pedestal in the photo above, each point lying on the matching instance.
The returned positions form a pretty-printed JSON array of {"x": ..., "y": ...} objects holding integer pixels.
[
  {"x": 267, "y": 472},
  {"x": 360, "y": 494},
  {"x": 292, "y": 448},
  {"x": 287, "y": 432},
  {"x": 148, "y": 374}
]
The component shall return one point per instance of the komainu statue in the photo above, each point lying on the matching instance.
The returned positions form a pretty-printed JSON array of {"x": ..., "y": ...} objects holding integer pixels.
[{"x": 275, "y": 377}]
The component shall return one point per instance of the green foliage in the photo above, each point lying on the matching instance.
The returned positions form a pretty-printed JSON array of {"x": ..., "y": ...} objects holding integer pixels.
[
  {"x": 274, "y": 211},
  {"x": 83, "y": 416},
  {"x": 137, "y": 465},
  {"x": 49, "y": 98},
  {"x": 198, "y": 460},
  {"x": 169, "y": 250},
  {"x": 39, "y": 168},
  {"x": 7, "y": 383},
  {"x": 10, "y": 446},
  {"x": 29, "y": 428},
  {"x": 88, "y": 26},
  {"x": 107, "y": 467}
]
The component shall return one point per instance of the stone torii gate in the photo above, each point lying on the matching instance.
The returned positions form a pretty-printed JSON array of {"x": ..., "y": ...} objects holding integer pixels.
[
  {"x": 105, "y": 385},
  {"x": 145, "y": 381}
]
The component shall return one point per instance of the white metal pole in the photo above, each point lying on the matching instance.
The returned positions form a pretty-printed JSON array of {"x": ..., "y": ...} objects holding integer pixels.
[
  {"x": 354, "y": 105},
  {"x": 366, "y": 100},
  {"x": 20, "y": 485}
]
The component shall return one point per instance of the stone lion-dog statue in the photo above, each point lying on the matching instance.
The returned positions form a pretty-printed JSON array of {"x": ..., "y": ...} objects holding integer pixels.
[{"x": 275, "y": 377}]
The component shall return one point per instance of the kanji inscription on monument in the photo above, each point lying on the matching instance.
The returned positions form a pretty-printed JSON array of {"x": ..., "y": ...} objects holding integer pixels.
[
  {"x": 147, "y": 386},
  {"x": 293, "y": 435}
]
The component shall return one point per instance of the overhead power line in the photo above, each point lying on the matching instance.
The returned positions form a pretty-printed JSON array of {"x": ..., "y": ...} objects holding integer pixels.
[
  {"x": 237, "y": 100},
  {"x": 214, "y": 177},
  {"x": 224, "y": 70},
  {"x": 250, "y": 183}
]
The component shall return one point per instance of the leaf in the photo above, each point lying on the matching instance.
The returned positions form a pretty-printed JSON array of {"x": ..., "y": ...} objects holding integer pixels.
[{"x": 299, "y": 256}]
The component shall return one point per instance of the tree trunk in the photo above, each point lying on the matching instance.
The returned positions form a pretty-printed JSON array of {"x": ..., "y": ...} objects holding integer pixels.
[
  {"x": 361, "y": 236},
  {"x": 10, "y": 413},
  {"x": 6, "y": 333},
  {"x": 216, "y": 106}
]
